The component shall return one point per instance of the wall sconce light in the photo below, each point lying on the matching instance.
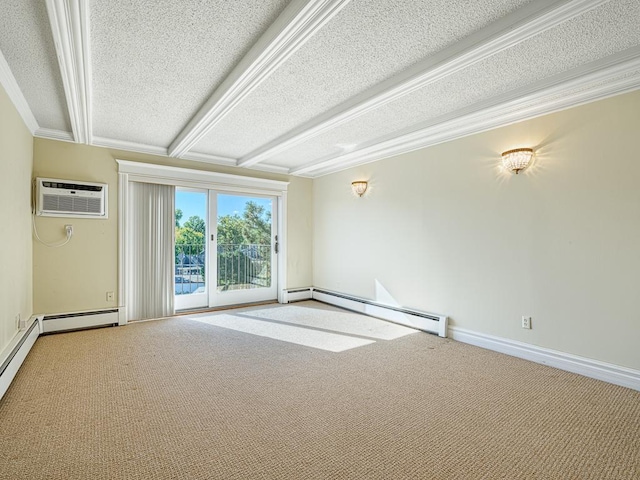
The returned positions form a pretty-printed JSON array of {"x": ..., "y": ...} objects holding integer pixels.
[
  {"x": 359, "y": 187},
  {"x": 517, "y": 159}
]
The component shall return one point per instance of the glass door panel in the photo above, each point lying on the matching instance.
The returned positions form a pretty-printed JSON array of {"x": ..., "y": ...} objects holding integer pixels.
[
  {"x": 190, "y": 249},
  {"x": 245, "y": 260}
]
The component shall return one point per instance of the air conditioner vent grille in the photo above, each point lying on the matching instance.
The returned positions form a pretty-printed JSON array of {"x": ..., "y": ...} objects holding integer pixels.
[
  {"x": 56, "y": 203},
  {"x": 71, "y": 198}
]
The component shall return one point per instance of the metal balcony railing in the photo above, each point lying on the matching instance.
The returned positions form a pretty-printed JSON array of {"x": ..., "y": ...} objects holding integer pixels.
[{"x": 239, "y": 266}]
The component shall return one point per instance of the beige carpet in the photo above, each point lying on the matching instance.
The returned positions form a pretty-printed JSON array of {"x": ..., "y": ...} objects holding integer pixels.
[{"x": 185, "y": 399}]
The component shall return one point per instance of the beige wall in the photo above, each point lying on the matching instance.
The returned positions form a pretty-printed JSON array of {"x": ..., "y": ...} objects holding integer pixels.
[
  {"x": 444, "y": 230},
  {"x": 16, "y": 152},
  {"x": 76, "y": 277}
]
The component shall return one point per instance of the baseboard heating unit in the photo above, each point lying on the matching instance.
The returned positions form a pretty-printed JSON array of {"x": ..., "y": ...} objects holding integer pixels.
[
  {"x": 79, "y": 320},
  {"x": 428, "y": 322},
  {"x": 297, "y": 294}
]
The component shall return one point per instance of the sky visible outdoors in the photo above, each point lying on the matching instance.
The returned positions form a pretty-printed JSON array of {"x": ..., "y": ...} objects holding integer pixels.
[{"x": 195, "y": 203}]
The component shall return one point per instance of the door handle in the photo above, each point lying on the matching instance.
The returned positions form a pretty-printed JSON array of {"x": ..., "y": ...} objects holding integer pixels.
[{"x": 277, "y": 245}]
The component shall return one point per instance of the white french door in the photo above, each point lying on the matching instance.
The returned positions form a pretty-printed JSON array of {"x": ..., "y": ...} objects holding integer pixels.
[
  {"x": 226, "y": 248},
  {"x": 245, "y": 244}
]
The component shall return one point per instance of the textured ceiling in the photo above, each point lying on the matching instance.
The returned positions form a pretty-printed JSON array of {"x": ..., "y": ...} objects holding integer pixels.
[
  {"x": 155, "y": 62},
  {"x": 309, "y": 86},
  {"x": 550, "y": 53},
  {"x": 375, "y": 39},
  {"x": 25, "y": 41}
]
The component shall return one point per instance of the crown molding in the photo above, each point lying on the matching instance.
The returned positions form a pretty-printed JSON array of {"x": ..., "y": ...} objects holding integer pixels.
[
  {"x": 231, "y": 162},
  {"x": 207, "y": 158},
  {"x": 263, "y": 167},
  {"x": 521, "y": 25},
  {"x": 70, "y": 27},
  {"x": 300, "y": 20},
  {"x": 52, "y": 134},
  {"x": 10, "y": 85},
  {"x": 614, "y": 75},
  {"x": 129, "y": 146},
  {"x": 159, "y": 151},
  {"x": 149, "y": 172}
]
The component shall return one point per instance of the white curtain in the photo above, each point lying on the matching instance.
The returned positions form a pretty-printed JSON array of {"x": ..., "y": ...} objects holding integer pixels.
[{"x": 151, "y": 251}]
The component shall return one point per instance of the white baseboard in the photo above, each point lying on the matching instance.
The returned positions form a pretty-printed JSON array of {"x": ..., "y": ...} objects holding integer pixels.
[
  {"x": 623, "y": 376},
  {"x": 428, "y": 322},
  {"x": 12, "y": 357},
  {"x": 297, "y": 294}
]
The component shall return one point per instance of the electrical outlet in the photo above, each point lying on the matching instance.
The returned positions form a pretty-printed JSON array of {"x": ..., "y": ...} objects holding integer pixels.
[
  {"x": 69, "y": 229},
  {"x": 109, "y": 296},
  {"x": 526, "y": 322}
]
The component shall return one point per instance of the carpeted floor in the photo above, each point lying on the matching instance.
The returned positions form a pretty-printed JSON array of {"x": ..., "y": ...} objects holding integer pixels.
[{"x": 186, "y": 398}]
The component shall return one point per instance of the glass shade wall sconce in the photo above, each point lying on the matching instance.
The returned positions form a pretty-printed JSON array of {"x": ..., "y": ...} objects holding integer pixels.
[
  {"x": 359, "y": 187},
  {"x": 517, "y": 159}
]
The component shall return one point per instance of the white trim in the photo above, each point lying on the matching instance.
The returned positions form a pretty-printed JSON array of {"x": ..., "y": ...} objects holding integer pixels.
[
  {"x": 282, "y": 246},
  {"x": 623, "y": 376},
  {"x": 208, "y": 158},
  {"x": 519, "y": 26},
  {"x": 403, "y": 316},
  {"x": 147, "y": 172},
  {"x": 270, "y": 168},
  {"x": 619, "y": 73},
  {"x": 8, "y": 81},
  {"x": 123, "y": 201},
  {"x": 300, "y": 20},
  {"x": 128, "y": 146},
  {"x": 161, "y": 151},
  {"x": 70, "y": 28},
  {"x": 52, "y": 134},
  {"x": 12, "y": 368}
]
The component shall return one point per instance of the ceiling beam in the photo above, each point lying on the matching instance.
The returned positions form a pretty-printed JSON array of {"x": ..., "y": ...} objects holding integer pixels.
[
  {"x": 613, "y": 75},
  {"x": 523, "y": 24},
  {"x": 300, "y": 20},
  {"x": 8, "y": 81},
  {"x": 69, "y": 21}
]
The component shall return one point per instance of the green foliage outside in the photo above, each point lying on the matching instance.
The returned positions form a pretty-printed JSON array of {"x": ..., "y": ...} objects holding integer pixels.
[
  {"x": 234, "y": 233},
  {"x": 253, "y": 227}
]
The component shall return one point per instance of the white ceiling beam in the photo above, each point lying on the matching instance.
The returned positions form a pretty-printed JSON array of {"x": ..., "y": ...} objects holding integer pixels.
[
  {"x": 9, "y": 83},
  {"x": 300, "y": 20},
  {"x": 69, "y": 21},
  {"x": 614, "y": 75},
  {"x": 523, "y": 24}
]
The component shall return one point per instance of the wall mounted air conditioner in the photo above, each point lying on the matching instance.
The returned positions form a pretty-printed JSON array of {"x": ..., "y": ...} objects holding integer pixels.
[{"x": 70, "y": 198}]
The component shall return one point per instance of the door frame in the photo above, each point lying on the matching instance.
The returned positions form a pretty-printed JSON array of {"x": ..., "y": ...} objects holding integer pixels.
[{"x": 184, "y": 177}]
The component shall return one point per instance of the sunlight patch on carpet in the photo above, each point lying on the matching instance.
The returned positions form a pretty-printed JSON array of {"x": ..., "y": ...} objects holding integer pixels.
[
  {"x": 340, "y": 322},
  {"x": 332, "y": 342}
]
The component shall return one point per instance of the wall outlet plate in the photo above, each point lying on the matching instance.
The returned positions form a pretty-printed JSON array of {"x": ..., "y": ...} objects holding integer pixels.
[
  {"x": 526, "y": 322},
  {"x": 109, "y": 296}
]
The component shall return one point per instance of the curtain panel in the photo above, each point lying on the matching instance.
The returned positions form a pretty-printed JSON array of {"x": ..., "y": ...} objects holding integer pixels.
[{"x": 151, "y": 251}]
